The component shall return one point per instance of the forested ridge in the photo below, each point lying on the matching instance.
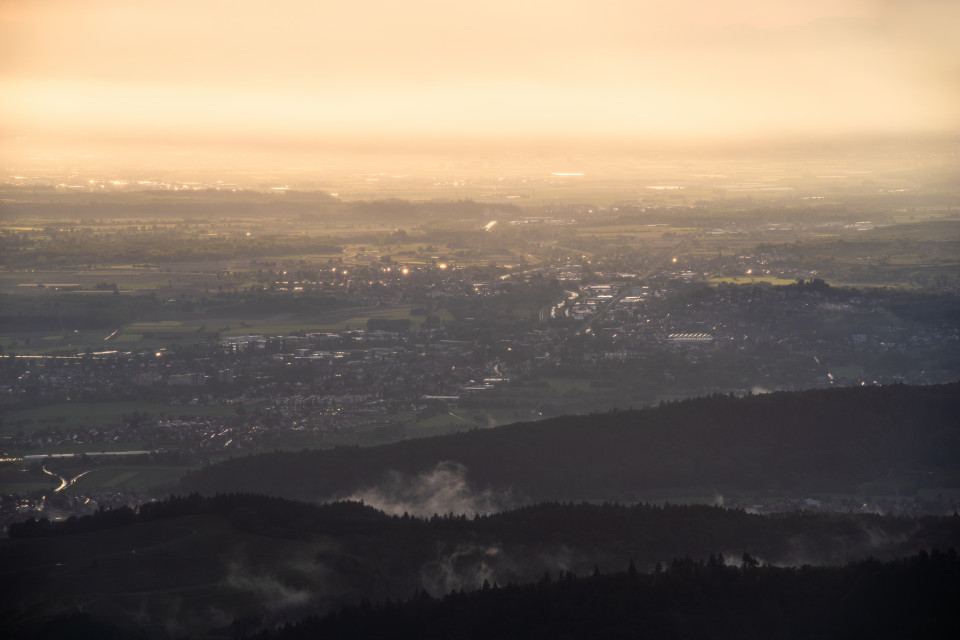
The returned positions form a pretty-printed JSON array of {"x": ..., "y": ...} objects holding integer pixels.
[
  {"x": 264, "y": 561},
  {"x": 606, "y": 532},
  {"x": 819, "y": 440},
  {"x": 261, "y": 561},
  {"x": 909, "y": 598}
]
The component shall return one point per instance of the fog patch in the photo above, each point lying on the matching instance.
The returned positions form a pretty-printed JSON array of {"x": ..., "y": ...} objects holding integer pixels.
[
  {"x": 739, "y": 561},
  {"x": 559, "y": 558},
  {"x": 879, "y": 539},
  {"x": 803, "y": 550},
  {"x": 467, "y": 567},
  {"x": 837, "y": 550},
  {"x": 273, "y": 595},
  {"x": 165, "y": 613},
  {"x": 214, "y": 617},
  {"x": 873, "y": 509},
  {"x": 442, "y": 490},
  {"x": 172, "y": 619}
]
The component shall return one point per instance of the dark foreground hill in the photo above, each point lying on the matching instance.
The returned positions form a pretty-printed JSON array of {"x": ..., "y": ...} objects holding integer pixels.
[
  {"x": 184, "y": 566},
  {"x": 913, "y": 598},
  {"x": 836, "y": 440}
]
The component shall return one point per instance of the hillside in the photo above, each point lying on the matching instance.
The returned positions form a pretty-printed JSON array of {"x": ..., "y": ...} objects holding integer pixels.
[
  {"x": 186, "y": 565},
  {"x": 908, "y": 598},
  {"x": 899, "y": 438}
]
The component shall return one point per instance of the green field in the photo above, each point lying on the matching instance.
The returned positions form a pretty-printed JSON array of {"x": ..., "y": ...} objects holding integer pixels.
[
  {"x": 128, "y": 478},
  {"x": 564, "y": 385},
  {"x": 126, "y": 277},
  {"x": 751, "y": 280},
  {"x": 15, "y": 477},
  {"x": 70, "y": 415},
  {"x": 92, "y": 474},
  {"x": 269, "y": 325},
  {"x": 336, "y": 320},
  {"x": 46, "y": 343},
  {"x": 197, "y": 327}
]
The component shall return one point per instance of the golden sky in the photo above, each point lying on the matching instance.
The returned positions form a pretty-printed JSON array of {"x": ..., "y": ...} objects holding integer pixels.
[{"x": 373, "y": 73}]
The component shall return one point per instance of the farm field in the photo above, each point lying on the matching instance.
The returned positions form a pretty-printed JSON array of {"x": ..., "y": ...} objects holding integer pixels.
[
  {"x": 128, "y": 279},
  {"x": 162, "y": 329},
  {"x": 773, "y": 280},
  {"x": 79, "y": 414},
  {"x": 128, "y": 478}
]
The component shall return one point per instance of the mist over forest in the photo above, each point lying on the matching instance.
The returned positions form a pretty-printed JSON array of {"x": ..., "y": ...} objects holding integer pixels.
[{"x": 479, "y": 319}]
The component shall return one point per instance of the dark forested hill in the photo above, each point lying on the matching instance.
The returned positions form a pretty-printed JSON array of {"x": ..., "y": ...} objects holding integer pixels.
[
  {"x": 182, "y": 566},
  {"x": 912, "y": 598},
  {"x": 822, "y": 440}
]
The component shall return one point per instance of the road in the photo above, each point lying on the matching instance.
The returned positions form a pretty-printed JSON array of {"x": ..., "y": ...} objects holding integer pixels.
[{"x": 64, "y": 482}]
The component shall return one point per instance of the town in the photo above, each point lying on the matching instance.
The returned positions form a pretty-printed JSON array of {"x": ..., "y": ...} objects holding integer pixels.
[
  {"x": 587, "y": 347},
  {"x": 146, "y": 340}
]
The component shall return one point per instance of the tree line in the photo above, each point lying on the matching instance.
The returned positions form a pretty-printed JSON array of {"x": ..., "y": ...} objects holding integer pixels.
[
  {"x": 833, "y": 440},
  {"x": 912, "y": 597}
]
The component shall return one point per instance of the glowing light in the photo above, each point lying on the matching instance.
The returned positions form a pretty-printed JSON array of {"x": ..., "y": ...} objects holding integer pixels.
[
  {"x": 442, "y": 265},
  {"x": 404, "y": 271},
  {"x": 674, "y": 260}
]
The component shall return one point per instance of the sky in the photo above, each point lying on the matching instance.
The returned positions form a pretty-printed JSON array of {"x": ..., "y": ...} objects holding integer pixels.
[{"x": 422, "y": 74}]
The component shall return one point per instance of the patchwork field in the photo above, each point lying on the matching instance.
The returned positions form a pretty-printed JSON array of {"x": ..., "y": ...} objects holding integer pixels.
[
  {"x": 166, "y": 328},
  {"x": 72, "y": 415}
]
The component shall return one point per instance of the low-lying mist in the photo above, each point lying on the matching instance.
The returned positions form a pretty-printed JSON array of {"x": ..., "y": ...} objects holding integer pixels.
[{"x": 442, "y": 490}]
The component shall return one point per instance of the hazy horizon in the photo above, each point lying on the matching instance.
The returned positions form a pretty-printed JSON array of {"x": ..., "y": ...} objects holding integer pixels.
[{"x": 227, "y": 81}]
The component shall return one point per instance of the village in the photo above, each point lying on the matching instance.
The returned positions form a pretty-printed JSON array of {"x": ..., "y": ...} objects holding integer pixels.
[{"x": 376, "y": 382}]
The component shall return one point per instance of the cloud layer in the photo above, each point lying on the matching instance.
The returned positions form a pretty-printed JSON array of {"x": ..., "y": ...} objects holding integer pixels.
[{"x": 294, "y": 71}]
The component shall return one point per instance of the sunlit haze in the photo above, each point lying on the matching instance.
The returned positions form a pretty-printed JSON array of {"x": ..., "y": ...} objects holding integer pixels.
[
  {"x": 425, "y": 75},
  {"x": 479, "y": 318}
]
